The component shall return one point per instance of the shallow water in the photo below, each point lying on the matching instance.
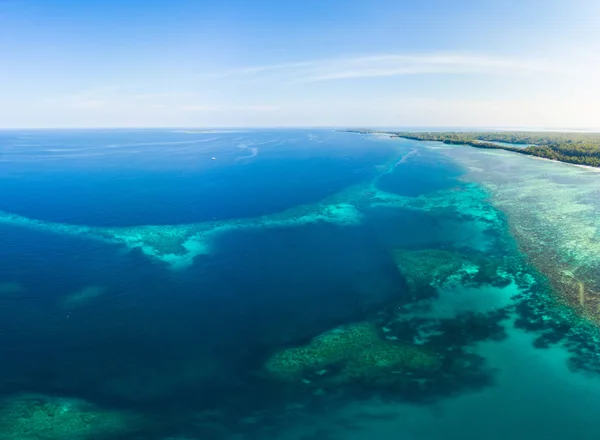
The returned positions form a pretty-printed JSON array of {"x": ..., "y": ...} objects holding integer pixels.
[{"x": 303, "y": 284}]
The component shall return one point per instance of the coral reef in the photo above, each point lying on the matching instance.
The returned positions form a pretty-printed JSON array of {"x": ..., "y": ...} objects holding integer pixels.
[
  {"x": 438, "y": 268},
  {"x": 355, "y": 352},
  {"x": 178, "y": 245},
  {"x": 551, "y": 209},
  {"x": 40, "y": 417},
  {"x": 433, "y": 267}
]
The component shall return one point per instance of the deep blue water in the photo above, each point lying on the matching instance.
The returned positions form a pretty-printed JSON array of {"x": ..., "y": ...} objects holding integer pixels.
[
  {"x": 137, "y": 342},
  {"x": 167, "y": 177},
  {"x": 94, "y": 320}
]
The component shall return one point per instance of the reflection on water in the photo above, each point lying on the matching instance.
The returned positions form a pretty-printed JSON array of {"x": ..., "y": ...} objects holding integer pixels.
[{"x": 332, "y": 286}]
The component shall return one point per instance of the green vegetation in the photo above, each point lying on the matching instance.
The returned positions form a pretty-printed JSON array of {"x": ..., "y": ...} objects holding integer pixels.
[{"x": 576, "y": 148}]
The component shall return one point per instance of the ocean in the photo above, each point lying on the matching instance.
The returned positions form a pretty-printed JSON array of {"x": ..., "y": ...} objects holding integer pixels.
[{"x": 292, "y": 284}]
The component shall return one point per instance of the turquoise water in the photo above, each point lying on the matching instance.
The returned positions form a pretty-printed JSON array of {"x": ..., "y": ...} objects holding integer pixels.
[{"x": 285, "y": 284}]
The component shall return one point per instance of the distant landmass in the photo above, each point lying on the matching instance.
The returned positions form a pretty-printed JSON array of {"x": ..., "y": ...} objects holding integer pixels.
[{"x": 575, "y": 148}]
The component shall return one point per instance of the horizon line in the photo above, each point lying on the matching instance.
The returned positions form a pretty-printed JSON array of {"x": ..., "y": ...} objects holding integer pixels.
[{"x": 336, "y": 127}]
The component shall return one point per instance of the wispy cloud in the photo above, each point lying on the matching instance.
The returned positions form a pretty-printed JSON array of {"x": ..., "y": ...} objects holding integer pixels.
[
  {"x": 116, "y": 98},
  {"x": 153, "y": 96},
  {"x": 92, "y": 98},
  {"x": 229, "y": 108},
  {"x": 383, "y": 65}
]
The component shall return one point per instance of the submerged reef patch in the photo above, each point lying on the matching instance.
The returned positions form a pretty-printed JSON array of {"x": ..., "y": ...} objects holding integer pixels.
[
  {"x": 551, "y": 210},
  {"x": 41, "y": 417},
  {"x": 354, "y": 352},
  {"x": 420, "y": 342},
  {"x": 178, "y": 245},
  {"x": 408, "y": 359},
  {"x": 439, "y": 268},
  {"x": 82, "y": 296}
]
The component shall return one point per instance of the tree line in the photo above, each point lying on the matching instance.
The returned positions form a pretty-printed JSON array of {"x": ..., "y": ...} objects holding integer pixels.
[{"x": 576, "y": 148}]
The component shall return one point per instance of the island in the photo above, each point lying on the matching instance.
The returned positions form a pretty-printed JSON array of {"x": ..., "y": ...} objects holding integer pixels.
[{"x": 569, "y": 147}]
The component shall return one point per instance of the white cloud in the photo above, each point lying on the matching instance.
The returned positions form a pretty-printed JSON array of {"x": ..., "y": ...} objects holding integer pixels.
[
  {"x": 158, "y": 95},
  {"x": 510, "y": 91},
  {"x": 116, "y": 99},
  {"x": 93, "y": 98},
  {"x": 89, "y": 103},
  {"x": 392, "y": 65},
  {"x": 227, "y": 108}
]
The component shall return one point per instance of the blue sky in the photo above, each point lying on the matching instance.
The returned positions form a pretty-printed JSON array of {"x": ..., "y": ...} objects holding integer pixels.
[{"x": 306, "y": 63}]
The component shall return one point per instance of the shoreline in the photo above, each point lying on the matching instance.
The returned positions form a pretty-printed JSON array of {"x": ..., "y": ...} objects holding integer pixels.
[
  {"x": 569, "y": 288},
  {"x": 585, "y": 167},
  {"x": 573, "y": 149}
]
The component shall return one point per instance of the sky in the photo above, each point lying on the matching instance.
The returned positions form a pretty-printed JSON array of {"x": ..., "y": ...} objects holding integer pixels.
[{"x": 271, "y": 63}]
